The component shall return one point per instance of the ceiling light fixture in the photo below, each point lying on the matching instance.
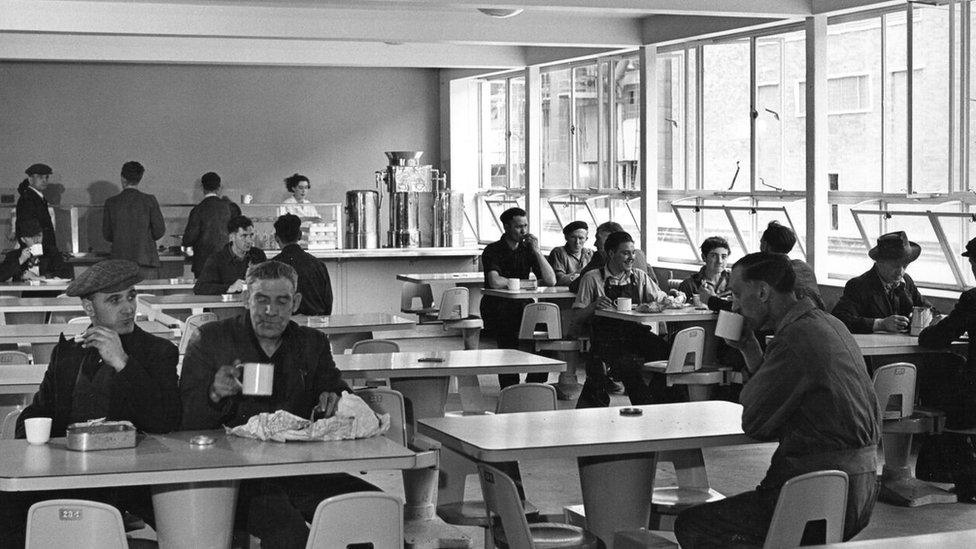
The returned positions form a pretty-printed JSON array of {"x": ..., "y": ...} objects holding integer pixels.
[{"x": 500, "y": 13}]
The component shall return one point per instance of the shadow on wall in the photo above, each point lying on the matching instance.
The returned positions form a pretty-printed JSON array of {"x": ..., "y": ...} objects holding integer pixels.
[{"x": 90, "y": 221}]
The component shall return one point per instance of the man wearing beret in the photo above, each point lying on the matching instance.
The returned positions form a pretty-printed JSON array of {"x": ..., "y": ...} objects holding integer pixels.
[
  {"x": 33, "y": 206},
  {"x": 112, "y": 370},
  {"x": 881, "y": 300},
  {"x": 567, "y": 261}
]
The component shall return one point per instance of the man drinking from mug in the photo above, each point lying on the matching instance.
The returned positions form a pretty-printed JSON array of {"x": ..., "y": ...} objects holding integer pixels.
[
  {"x": 626, "y": 346},
  {"x": 305, "y": 375}
]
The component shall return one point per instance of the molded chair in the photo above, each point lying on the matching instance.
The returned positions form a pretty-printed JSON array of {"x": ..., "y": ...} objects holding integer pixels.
[
  {"x": 684, "y": 365},
  {"x": 895, "y": 387},
  {"x": 7, "y": 428},
  {"x": 411, "y": 291},
  {"x": 72, "y": 523},
  {"x": 526, "y": 397},
  {"x": 816, "y": 496},
  {"x": 502, "y": 499},
  {"x": 455, "y": 316},
  {"x": 190, "y": 327},
  {"x": 550, "y": 339},
  {"x": 14, "y": 357},
  {"x": 358, "y": 519},
  {"x": 387, "y": 401},
  {"x": 369, "y": 346}
]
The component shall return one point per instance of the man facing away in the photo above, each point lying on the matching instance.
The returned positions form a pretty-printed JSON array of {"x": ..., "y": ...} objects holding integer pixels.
[
  {"x": 314, "y": 282},
  {"x": 305, "y": 375},
  {"x": 809, "y": 391},
  {"x": 113, "y": 370},
  {"x": 133, "y": 223},
  {"x": 206, "y": 228},
  {"x": 514, "y": 255},
  {"x": 780, "y": 239},
  {"x": 224, "y": 271}
]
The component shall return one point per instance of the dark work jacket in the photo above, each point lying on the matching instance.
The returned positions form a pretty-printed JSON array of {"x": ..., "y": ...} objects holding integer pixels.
[
  {"x": 960, "y": 320},
  {"x": 206, "y": 229},
  {"x": 304, "y": 368},
  {"x": 313, "y": 280},
  {"x": 12, "y": 269},
  {"x": 223, "y": 268},
  {"x": 31, "y": 205},
  {"x": 865, "y": 299},
  {"x": 145, "y": 392},
  {"x": 133, "y": 223}
]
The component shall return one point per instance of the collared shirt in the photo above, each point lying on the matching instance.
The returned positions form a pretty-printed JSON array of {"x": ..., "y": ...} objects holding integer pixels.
[
  {"x": 301, "y": 209},
  {"x": 508, "y": 262},
  {"x": 813, "y": 395},
  {"x": 592, "y": 286},
  {"x": 693, "y": 284},
  {"x": 565, "y": 264}
]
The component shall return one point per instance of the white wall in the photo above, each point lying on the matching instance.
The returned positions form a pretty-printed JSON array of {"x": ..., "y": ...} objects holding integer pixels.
[{"x": 252, "y": 125}]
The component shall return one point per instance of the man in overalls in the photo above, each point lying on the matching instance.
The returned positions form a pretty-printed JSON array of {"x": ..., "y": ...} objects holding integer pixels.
[{"x": 625, "y": 345}]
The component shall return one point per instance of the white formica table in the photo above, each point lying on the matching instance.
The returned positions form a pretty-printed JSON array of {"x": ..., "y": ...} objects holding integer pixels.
[
  {"x": 50, "y": 333},
  {"x": 60, "y": 285},
  {"x": 960, "y": 539},
  {"x": 10, "y": 304},
  {"x": 897, "y": 344},
  {"x": 616, "y": 452},
  {"x": 196, "y": 303},
  {"x": 21, "y": 379},
  {"x": 345, "y": 330},
  {"x": 423, "y": 376},
  {"x": 542, "y": 292},
  {"x": 684, "y": 314},
  {"x": 458, "y": 279},
  {"x": 194, "y": 487}
]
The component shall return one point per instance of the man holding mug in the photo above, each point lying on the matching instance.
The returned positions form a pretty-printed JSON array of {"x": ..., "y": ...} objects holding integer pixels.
[
  {"x": 23, "y": 263},
  {"x": 305, "y": 376},
  {"x": 626, "y": 346}
]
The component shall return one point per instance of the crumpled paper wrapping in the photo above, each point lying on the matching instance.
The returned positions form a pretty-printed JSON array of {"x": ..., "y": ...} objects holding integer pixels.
[{"x": 353, "y": 419}]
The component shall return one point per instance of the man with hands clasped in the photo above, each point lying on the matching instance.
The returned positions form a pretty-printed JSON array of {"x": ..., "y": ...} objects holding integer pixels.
[{"x": 305, "y": 376}]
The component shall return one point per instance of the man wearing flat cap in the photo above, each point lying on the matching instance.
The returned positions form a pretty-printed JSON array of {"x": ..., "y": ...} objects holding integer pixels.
[
  {"x": 112, "y": 370},
  {"x": 33, "y": 207},
  {"x": 881, "y": 300}
]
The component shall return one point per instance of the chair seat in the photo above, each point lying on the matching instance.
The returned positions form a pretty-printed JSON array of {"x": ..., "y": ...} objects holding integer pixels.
[
  {"x": 912, "y": 425},
  {"x": 566, "y": 345},
  {"x": 701, "y": 377},
  {"x": 655, "y": 367},
  {"x": 673, "y": 499},
  {"x": 464, "y": 323},
  {"x": 554, "y": 535},
  {"x": 473, "y": 513},
  {"x": 463, "y": 413}
]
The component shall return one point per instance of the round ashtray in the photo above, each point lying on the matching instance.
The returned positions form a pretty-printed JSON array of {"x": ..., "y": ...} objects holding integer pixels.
[
  {"x": 202, "y": 440},
  {"x": 631, "y": 411}
]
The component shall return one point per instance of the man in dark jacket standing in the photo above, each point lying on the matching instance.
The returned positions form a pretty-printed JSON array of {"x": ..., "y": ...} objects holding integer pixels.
[
  {"x": 33, "y": 205},
  {"x": 133, "y": 223},
  {"x": 206, "y": 228},
  {"x": 313, "y": 276}
]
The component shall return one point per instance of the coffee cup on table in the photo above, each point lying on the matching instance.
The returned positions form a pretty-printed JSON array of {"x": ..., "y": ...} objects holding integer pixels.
[
  {"x": 257, "y": 378},
  {"x": 38, "y": 430},
  {"x": 623, "y": 304},
  {"x": 514, "y": 284},
  {"x": 729, "y": 325}
]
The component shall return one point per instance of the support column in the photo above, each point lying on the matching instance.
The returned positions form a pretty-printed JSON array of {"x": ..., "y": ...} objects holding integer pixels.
[
  {"x": 648, "y": 151},
  {"x": 533, "y": 148},
  {"x": 816, "y": 145}
]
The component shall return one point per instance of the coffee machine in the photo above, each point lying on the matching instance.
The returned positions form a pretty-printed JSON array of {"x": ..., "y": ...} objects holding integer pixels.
[{"x": 404, "y": 178}]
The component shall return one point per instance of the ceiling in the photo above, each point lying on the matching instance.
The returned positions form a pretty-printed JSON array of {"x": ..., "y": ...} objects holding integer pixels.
[{"x": 378, "y": 33}]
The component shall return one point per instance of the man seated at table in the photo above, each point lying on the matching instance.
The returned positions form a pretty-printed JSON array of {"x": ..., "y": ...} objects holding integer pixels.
[
  {"x": 809, "y": 391},
  {"x": 599, "y": 258},
  {"x": 22, "y": 263},
  {"x": 113, "y": 370},
  {"x": 713, "y": 278},
  {"x": 305, "y": 375},
  {"x": 515, "y": 255},
  {"x": 881, "y": 300},
  {"x": 314, "y": 283},
  {"x": 626, "y": 346},
  {"x": 568, "y": 260},
  {"x": 780, "y": 239},
  {"x": 224, "y": 271}
]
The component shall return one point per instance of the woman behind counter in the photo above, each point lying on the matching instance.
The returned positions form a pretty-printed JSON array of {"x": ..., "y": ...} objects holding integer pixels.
[{"x": 298, "y": 203}]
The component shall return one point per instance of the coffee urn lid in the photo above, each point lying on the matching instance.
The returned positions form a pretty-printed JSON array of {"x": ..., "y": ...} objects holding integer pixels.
[{"x": 403, "y": 158}]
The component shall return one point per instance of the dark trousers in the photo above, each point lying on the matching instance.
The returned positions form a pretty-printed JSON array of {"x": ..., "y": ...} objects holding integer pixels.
[
  {"x": 625, "y": 347},
  {"x": 503, "y": 318},
  {"x": 743, "y": 520},
  {"x": 276, "y": 510}
]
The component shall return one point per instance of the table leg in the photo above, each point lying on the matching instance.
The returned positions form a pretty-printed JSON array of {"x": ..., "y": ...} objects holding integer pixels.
[
  {"x": 428, "y": 395},
  {"x": 472, "y": 399},
  {"x": 617, "y": 492},
  {"x": 195, "y": 514},
  {"x": 422, "y": 529}
]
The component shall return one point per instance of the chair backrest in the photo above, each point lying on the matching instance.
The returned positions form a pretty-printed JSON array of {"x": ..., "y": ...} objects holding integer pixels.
[
  {"x": 73, "y": 523},
  {"x": 454, "y": 304},
  {"x": 79, "y": 320},
  {"x": 368, "y": 346},
  {"x": 190, "y": 327},
  {"x": 895, "y": 386},
  {"x": 9, "y": 425},
  {"x": 673, "y": 283},
  {"x": 546, "y": 314},
  {"x": 526, "y": 397},
  {"x": 816, "y": 496},
  {"x": 687, "y": 349},
  {"x": 14, "y": 357},
  {"x": 357, "y": 519},
  {"x": 388, "y": 401},
  {"x": 502, "y": 499},
  {"x": 411, "y": 291}
]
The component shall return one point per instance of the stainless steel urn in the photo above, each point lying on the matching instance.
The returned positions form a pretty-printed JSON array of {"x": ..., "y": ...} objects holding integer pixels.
[
  {"x": 362, "y": 219},
  {"x": 448, "y": 218}
]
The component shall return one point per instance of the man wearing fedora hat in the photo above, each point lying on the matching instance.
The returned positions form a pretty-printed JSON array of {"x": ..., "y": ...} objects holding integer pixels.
[{"x": 881, "y": 300}]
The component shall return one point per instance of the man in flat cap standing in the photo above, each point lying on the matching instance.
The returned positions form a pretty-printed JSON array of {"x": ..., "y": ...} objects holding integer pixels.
[
  {"x": 33, "y": 205},
  {"x": 133, "y": 223},
  {"x": 113, "y": 370}
]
